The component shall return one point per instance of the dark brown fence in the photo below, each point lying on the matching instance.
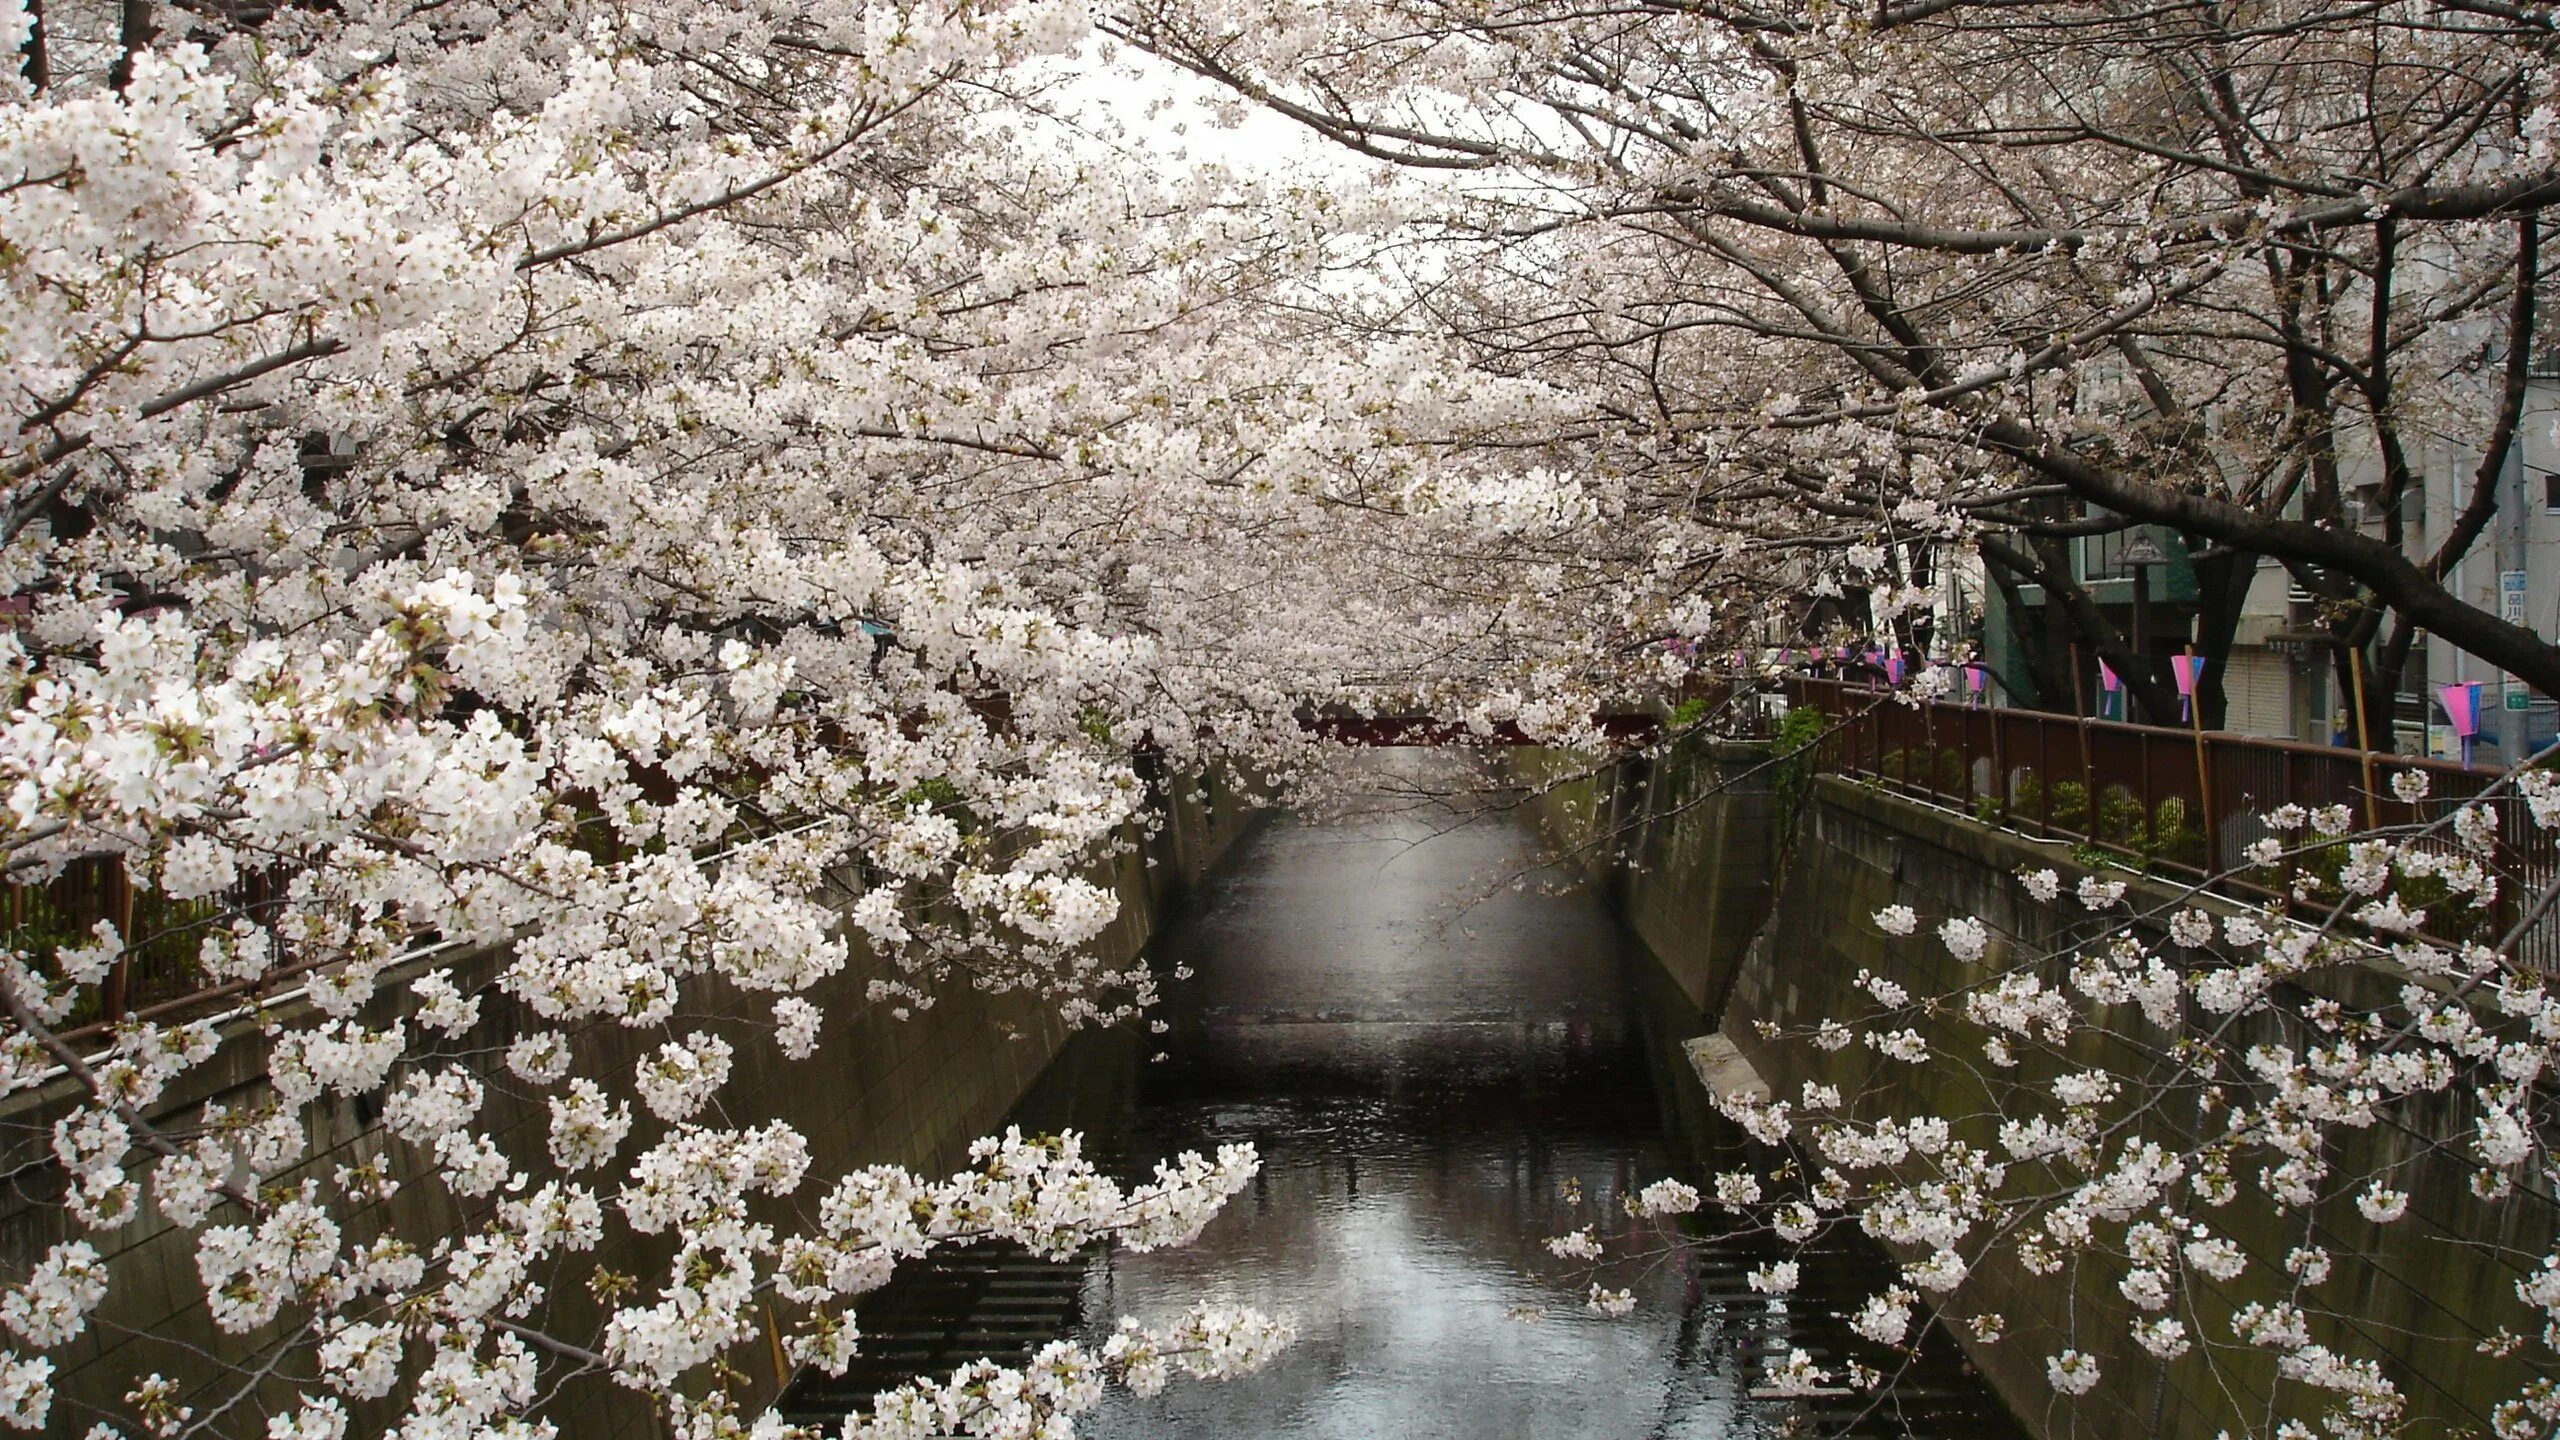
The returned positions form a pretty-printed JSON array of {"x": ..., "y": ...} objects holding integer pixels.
[
  {"x": 162, "y": 938},
  {"x": 2177, "y": 801}
]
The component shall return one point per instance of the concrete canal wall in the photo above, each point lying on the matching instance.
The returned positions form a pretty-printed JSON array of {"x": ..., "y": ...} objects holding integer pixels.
[
  {"x": 880, "y": 1090},
  {"x": 1754, "y": 888}
]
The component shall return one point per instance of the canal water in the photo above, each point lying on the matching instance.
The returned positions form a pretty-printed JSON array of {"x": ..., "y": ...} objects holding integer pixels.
[{"x": 1434, "y": 1061}]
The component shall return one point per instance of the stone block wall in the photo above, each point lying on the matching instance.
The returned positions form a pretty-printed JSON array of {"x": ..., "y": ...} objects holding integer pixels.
[{"x": 1686, "y": 846}]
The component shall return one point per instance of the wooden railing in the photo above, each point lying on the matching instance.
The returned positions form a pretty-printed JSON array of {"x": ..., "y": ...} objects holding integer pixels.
[{"x": 2183, "y": 802}]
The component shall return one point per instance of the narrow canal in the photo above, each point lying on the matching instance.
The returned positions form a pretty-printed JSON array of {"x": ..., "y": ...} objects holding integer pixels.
[{"x": 1431, "y": 1073}]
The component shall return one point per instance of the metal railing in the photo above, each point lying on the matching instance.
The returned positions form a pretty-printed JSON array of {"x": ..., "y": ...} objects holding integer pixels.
[{"x": 2184, "y": 802}]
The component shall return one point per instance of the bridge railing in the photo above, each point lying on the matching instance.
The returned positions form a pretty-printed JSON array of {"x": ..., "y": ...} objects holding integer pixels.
[{"x": 2181, "y": 802}]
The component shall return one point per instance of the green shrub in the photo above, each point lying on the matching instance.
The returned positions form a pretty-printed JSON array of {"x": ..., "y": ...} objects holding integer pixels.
[
  {"x": 2175, "y": 836},
  {"x": 1799, "y": 760},
  {"x": 1954, "y": 775},
  {"x": 2121, "y": 820},
  {"x": 2070, "y": 806},
  {"x": 1894, "y": 765}
]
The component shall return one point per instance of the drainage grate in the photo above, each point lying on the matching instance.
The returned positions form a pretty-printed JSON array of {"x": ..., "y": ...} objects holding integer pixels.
[{"x": 992, "y": 1302}]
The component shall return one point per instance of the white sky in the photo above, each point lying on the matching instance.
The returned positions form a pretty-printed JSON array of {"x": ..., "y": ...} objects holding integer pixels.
[{"x": 1171, "y": 113}]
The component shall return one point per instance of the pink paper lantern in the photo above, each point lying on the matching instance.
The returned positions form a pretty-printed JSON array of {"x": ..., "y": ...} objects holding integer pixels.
[
  {"x": 2461, "y": 703},
  {"x": 2110, "y": 692},
  {"x": 2188, "y": 671},
  {"x": 2462, "y": 706}
]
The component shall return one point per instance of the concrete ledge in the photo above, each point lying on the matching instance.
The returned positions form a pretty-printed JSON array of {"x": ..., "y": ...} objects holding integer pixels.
[{"x": 1723, "y": 1069}]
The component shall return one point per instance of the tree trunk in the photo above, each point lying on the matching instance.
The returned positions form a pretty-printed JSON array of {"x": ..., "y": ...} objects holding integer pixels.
[
  {"x": 2045, "y": 561},
  {"x": 135, "y": 30},
  {"x": 2222, "y": 588},
  {"x": 35, "y": 66},
  {"x": 2147, "y": 699},
  {"x": 2382, "y": 680},
  {"x": 2044, "y": 641}
]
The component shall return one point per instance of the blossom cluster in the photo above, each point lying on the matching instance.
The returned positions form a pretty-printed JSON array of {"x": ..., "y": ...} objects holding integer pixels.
[
  {"x": 524, "y": 519},
  {"x": 2234, "y": 1088}
]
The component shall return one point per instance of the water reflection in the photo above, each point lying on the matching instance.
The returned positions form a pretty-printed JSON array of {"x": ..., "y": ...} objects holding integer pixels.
[
  {"x": 1426, "y": 1084},
  {"x": 1422, "y": 1082}
]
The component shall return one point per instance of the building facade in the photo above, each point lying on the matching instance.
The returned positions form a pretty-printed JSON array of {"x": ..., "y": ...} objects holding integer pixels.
[{"x": 2280, "y": 677}]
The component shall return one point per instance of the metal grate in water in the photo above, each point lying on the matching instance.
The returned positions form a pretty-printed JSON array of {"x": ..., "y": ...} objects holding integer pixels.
[
  {"x": 992, "y": 1302},
  {"x": 1939, "y": 1394}
]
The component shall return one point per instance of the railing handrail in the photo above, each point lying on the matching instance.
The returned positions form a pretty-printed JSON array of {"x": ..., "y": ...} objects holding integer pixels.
[
  {"x": 2187, "y": 801},
  {"x": 2182, "y": 734}
]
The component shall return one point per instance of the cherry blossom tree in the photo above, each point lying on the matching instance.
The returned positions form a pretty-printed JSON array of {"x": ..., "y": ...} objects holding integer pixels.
[
  {"x": 679, "y": 493},
  {"x": 1922, "y": 277},
  {"x": 1847, "y": 289},
  {"x": 648, "y": 488},
  {"x": 676, "y": 492}
]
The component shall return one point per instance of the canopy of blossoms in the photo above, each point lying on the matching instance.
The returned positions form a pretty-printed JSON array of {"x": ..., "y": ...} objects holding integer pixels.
[{"x": 682, "y": 489}]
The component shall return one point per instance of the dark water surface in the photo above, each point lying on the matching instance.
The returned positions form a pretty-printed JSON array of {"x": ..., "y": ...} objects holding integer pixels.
[{"x": 1428, "y": 1080}]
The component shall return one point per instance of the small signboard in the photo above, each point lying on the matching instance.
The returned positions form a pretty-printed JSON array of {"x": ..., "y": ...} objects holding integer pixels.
[
  {"x": 2511, "y": 595},
  {"x": 2143, "y": 549}
]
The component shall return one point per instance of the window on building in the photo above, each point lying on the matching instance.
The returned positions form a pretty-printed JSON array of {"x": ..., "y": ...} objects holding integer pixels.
[{"x": 2551, "y": 489}]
